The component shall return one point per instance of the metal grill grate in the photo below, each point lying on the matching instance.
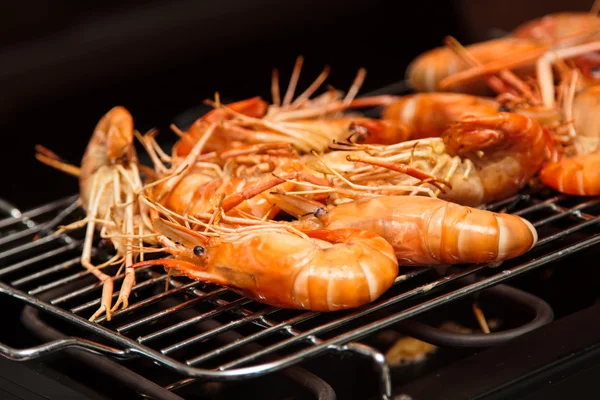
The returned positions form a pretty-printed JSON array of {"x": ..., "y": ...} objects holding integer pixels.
[
  {"x": 155, "y": 325},
  {"x": 205, "y": 332}
]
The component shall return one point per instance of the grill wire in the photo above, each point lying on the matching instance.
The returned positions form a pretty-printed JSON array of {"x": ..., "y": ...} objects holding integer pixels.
[
  {"x": 43, "y": 270},
  {"x": 29, "y": 268}
]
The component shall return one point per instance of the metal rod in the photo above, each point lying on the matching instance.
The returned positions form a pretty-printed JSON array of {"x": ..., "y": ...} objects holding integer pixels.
[
  {"x": 135, "y": 289},
  {"x": 216, "y": 331},
  {"x": 161, "y": 314},
  {"x": 38, "y": 258},
  {"x": 17, "y": 216},
  {"x": 47, "y": 271},
  {"x": 191, "y": 321},
  {"x": 149, "y": 301},
  {"x": 36, "y": 228}
]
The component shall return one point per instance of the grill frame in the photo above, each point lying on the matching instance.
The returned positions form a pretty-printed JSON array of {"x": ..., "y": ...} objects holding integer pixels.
[{"x": 347, "y": 342}]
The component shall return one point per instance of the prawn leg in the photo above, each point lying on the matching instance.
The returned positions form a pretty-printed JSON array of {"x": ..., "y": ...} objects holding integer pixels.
[
  {"x": 544, "y": 67},
  {"x": 129, "y": 280},
  {"x": 97, "y": 190}
]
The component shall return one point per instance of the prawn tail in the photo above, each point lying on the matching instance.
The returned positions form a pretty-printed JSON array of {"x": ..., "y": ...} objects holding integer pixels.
[{"x": 506, "y": 236}]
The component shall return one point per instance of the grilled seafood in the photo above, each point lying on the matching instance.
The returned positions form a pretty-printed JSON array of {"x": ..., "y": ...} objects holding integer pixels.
[
  {"x": 304, "y": 122},
  {"x": 543, "y": 58},
  {"x": 430, "y": 114},
  {"x": 193, "y": 187},
  {"x": 577, "y": 175},
  {"x": 482, "y": 159},
  {"x": 423, "y": 231},
  {"x": 429, "y": 70},
  {"x": 320, "y": 270},
  {"x": 578, "y": 170},
  {"x": 109, "y": 183}
]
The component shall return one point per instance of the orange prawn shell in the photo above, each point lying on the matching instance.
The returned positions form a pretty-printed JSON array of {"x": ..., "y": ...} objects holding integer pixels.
[
  {"x": 429, "y": 114},
  {"x": 427, "y": 231},
  {"x": 578, "y": 175},
  {"x": 515, "y": 148},
  {"x": 427, "y": 70},
  {"x": 196, "y": 192},
  {"x": 111, "y": 142},
  {"x": 336, "y": 270},
  {"x": 254, "y": 107},
  {"x": 273, "y": 262}
]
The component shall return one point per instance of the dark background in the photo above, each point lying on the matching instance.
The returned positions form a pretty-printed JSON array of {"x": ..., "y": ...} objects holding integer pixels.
[{"x": 63, "y": 64}]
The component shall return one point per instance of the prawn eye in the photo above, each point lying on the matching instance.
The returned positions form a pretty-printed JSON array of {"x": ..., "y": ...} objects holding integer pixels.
[
  {"x": 319, "y": 212},
  {"x": 199, "y": 251}
]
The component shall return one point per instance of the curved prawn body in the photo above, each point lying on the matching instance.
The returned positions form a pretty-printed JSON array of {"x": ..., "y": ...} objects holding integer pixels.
[
  {"x": 323, "y": 270},
  {"x": 514, "y": 149},
  {"x": 111, "y": 144},
  {"x": 427, "y": 231},
  {"x": 109, "y": 183},
  {"x": 578, "y": 175},
  {"x": 477, "y": 160},
  {"x": 577, "y": 172},
  {"x": 209, "y": 188},
  {"x": 430, "y": 114},
  {"x": 429, "y": 69},
  {"x": 565, "y": 38}
]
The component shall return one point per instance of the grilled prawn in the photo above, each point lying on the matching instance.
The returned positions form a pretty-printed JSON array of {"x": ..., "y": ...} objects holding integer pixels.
[
  {"x": 424, "y": 231},
  {"x": 320, "y": 270},
  {"x": 430, "y": 114},
  {"x": 307, "y": 123},
  {"x": 481, "y": 159},
  {"x": 109, "y": 182}
]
